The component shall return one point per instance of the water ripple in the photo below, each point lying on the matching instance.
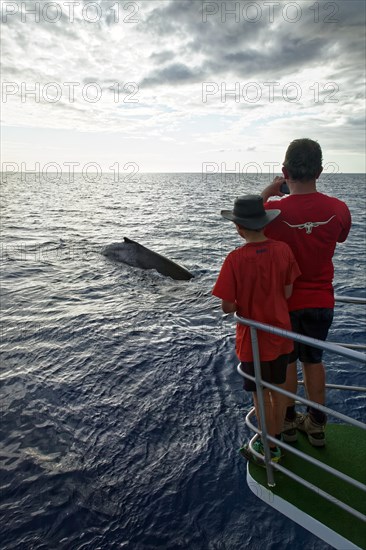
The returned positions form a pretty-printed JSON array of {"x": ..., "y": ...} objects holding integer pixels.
[{"x": 122, "y": 409}]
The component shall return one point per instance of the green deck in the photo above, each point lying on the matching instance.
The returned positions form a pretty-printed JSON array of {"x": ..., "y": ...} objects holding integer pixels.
[{"x": 345, "y": 451}]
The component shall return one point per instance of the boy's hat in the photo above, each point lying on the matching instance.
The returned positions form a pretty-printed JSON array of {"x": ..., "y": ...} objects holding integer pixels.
[{"x": 249, "y": 212}]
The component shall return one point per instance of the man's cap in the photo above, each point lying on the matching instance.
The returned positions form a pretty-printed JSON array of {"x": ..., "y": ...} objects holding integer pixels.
[{"x": 249, "y": 212}]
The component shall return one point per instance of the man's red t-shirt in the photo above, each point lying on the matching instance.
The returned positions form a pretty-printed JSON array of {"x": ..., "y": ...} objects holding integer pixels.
[
  {"x": 311, "y": 225},
  {"x": 254, "y": 276}
]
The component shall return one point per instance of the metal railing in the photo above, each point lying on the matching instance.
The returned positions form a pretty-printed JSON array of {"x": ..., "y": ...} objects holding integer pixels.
[{"x": 266, "y": 438}]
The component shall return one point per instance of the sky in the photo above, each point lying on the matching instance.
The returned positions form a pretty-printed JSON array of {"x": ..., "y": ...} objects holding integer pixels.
[{"x": 180, "y": 85}]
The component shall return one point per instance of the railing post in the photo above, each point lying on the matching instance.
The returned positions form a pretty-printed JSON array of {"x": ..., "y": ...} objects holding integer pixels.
[{"x": 262, "y": 415}]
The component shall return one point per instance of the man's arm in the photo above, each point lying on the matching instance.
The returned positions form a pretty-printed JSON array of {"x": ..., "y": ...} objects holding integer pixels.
[
  {"x": 273, "y": 189},
  {"x": 346, "y": 221}
]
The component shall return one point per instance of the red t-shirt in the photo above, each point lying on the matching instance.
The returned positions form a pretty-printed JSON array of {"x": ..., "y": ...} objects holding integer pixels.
[
  {"x": 254, "y": 276},
  {"x": 311, "y": 225}
]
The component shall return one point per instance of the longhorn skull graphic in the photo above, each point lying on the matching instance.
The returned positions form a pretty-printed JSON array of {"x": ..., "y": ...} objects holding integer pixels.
[{"x": 308, "y": 226}]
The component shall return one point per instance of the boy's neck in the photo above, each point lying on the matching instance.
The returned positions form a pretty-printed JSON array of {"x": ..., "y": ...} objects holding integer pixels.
[{"x": 253, "y": 236}]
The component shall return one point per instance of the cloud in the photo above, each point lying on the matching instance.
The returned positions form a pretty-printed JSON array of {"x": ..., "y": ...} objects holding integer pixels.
[
  {"x": 172, "y": 50},
  {"x": 261, "y": 48},
  {"x": 177, "y": 73},
  {"x": 162, "y": 57}
]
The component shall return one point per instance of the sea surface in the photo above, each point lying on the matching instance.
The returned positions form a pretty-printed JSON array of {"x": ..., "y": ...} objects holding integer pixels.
[{"x": 122, "y": 412}]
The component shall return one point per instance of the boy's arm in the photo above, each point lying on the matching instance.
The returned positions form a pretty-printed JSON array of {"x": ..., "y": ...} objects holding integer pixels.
[
  {"x": 225, "y": 287},
  {"x": 228, "y": 307},
  {"x": 288, "y": 291}
]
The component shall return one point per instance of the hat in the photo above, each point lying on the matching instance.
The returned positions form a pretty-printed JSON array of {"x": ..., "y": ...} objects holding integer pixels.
[{"x": 249, "y": 212}]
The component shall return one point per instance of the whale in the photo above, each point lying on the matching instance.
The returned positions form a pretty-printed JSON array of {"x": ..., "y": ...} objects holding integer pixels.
[{"x": 136, "y": 255}]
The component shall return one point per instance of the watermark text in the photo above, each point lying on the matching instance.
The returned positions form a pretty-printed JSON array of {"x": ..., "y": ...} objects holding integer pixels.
[
  {"x": 271, "y": 91},
  {"x": 90, "y": 172},
  {"x": 270, "y": 12},
  {"x": 52, "y": 12},
  {"x": 69, "y": 92},
  {"x": 238, "y": 170}
]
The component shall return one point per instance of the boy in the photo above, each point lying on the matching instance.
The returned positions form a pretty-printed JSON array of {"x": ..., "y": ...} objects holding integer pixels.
[{"x": 255, "y": 281}]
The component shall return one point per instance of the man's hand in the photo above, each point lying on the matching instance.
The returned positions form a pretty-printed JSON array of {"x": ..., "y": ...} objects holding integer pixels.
[{"x": 273, "y": 189}]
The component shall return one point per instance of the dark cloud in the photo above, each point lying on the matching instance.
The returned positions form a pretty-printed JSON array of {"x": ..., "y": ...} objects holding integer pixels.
[
  {"x": 276, "y": 62},
  {"x": 162, "y": 57},
  {"x": 356, "y": 121},
  {"x": 176, "y": 73},
  {"x": 333, "y": 34}
]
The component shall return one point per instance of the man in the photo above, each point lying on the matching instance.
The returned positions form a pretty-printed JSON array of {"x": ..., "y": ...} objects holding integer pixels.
[{"x": 311, "y": 223}]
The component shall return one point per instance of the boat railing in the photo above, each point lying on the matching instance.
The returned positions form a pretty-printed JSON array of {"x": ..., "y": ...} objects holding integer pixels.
[{"x": 266, "y": 438}]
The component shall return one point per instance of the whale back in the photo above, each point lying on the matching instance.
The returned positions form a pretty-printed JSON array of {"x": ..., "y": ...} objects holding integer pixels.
[{"x": 135, "y": 254}]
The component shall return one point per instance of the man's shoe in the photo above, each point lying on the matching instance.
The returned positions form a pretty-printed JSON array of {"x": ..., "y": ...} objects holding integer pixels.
[
  {"x": 258, "y": 447},
  {"x": 289, "y": 434},
  {"x": 314, "y": 431}
]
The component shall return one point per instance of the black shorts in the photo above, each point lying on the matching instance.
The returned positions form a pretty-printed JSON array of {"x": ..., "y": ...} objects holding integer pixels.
[
  {"x": 273, "y": 372},
  {"x": 312, "y": 322}
]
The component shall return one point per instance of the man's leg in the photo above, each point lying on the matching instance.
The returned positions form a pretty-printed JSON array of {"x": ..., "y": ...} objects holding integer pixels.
[
  {"x": 316, "y": 324},
  {"x": 314, "y": 422},
  {"x": 314, "y": 379},
  {"x": 313, "y": 322},
  {"x": 291, "y": 378}
]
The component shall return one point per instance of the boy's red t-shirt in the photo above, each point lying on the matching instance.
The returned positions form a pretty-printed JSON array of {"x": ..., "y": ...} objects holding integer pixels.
[
  {"x": 254, "y": 276},
  {"x": 311, "y": 225}
]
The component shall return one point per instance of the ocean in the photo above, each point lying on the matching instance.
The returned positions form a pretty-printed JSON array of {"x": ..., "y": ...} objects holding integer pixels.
[{"x": 122, "y": 411}]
